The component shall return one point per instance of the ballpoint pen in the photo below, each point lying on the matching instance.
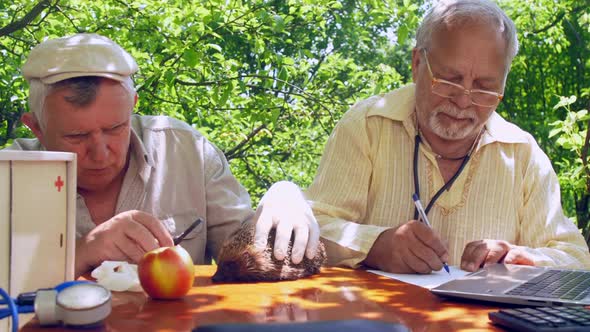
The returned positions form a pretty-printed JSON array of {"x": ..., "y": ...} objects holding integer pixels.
[
  {"x": 424, "y": 219},
  {"x": 180, "y": 237}
]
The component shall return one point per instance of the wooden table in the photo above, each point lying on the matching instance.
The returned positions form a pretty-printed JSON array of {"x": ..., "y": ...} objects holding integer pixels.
[{"x": 334, "y": 294}]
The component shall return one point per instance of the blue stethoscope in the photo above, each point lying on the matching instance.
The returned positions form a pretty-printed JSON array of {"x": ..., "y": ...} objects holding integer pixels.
[
  {"x": 72, "y": 303},
  {"x": 446, "y": 186}
]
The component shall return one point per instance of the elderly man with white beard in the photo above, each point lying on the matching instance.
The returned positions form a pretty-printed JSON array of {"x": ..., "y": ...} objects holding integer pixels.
[{"x": 489, "y": 191}]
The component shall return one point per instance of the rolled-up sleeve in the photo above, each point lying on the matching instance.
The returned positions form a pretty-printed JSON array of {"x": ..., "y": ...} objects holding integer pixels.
[
  {"x": 228, "y": 203},
  {"x": 545, "y": 233},
  {"x": 339, "y": 192}
]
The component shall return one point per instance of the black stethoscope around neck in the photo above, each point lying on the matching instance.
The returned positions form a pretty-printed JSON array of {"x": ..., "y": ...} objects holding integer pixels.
[{"x": 446, "y": 186}]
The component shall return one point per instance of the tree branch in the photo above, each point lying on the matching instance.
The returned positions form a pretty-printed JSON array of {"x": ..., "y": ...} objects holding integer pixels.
[
  {"x": 584, "y": 155},
  {"x": 303, "y": 93},
  {"x": 28, "y": 18},
  {"x": 230, "y": 154},
  {"x": 558, "y": 18}
]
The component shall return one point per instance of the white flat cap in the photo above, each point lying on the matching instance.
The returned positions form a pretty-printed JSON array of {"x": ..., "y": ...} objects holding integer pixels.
[{"x": 79, "y": 55}]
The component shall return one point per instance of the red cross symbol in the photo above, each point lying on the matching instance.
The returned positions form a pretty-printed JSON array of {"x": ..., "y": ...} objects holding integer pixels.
[{"x": 59, "y": 183}]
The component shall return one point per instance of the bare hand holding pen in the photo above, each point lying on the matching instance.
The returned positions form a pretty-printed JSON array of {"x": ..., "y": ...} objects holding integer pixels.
[
  {"x": 424, "y": 219},
  {"x": 410, "y": 248}
]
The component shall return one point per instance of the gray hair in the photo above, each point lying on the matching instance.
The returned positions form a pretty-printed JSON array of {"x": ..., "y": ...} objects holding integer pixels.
[
  {"x": 458, "y": 12},
  {"x": 84, "y": 88}
]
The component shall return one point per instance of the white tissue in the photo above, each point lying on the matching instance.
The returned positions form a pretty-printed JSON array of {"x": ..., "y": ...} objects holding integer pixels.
[{"x": 117, "y": 276}]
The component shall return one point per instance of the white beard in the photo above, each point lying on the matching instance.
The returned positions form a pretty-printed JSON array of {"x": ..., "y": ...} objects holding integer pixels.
[{"x": 452, "y": 130}]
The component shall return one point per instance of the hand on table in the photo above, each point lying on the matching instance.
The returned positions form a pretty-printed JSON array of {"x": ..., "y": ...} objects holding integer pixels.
[
  {"x": 410, "y": 248},
  {"x": 125, "y": 237},
  {"x": 285, "y": 208},
  {"x": 479, "y": 253}
]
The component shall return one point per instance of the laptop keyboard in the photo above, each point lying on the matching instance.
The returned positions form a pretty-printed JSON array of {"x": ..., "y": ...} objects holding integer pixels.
[
  {"x": 541, "y": 319},
  {"x": 556, "y": 284}
]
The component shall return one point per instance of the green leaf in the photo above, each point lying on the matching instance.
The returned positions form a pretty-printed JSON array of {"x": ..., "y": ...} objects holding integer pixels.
[
  {"x": 275, "y": 113},
  {"x": 336, "y": 5},
  {"x": 565, "y": 101},
  {"x": 402, "y": 34},
  {"x": 169, "y": 77},
  {"x": 190, "y": 57},
  {"x": 282, "y": 78},
  {"x": 554, "y": 132},
  {"x": 279, "y": 23},
  {"x": 288, "y": 61},
  {"x": 561, "y": 141},
  {"x": 226, "y": 93},
  {"x": 215, "y": 47}
]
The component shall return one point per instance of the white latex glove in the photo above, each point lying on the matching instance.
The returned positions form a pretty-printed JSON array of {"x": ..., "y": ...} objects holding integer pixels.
[{"x": 284, "y": 207}]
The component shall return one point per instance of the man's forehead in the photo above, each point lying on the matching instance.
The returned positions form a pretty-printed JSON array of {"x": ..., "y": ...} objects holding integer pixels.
[
  {"x": 484, "y": 44},
  {"x": 85, "y": 127},
  {"x": 92, "y": 89},
  {"x": 100, "y": 114}
]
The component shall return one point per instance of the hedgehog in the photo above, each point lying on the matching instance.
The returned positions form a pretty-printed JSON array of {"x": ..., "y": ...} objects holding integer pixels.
[{"x": 240, "y": 261}]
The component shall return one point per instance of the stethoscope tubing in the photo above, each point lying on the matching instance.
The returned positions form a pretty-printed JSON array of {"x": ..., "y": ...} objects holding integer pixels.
[{"x": 445, "y": 187}]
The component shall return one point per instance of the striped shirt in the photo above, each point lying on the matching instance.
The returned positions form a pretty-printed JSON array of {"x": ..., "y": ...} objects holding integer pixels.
[{"x": 507, "y": 191}]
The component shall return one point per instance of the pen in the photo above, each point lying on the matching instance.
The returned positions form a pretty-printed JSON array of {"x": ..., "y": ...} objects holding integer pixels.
[
  {"x": 179, "y": 238},
  {"x": 424, "y": 218}
]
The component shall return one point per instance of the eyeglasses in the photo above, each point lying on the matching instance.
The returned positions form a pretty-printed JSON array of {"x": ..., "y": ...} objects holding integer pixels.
[{"x": 448, "y": 89}]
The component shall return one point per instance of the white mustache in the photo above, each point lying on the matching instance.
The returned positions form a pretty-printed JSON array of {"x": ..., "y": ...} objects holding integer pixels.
[{"x": 455, "y": 112}]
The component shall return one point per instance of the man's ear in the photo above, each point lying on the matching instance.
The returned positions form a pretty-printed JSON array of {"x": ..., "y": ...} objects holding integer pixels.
[
  {"x": 30, "y": 120},
  {"x": 415, "y": 63}
]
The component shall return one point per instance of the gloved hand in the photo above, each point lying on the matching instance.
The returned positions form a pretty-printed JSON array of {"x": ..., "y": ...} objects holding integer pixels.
[{"x": 284, "y": 207}]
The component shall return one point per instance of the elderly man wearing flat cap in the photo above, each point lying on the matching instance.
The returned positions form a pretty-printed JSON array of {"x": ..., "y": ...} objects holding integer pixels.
[{"x": 142, "y": 179}]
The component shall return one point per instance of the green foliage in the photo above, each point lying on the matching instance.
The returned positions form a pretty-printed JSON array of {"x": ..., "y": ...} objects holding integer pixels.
[
  {"x": 264, "y": 80},
  {"x": 572, "y": 137},
  {"x": 553, "y": 61},
  {"x": 267, "y": 80}
]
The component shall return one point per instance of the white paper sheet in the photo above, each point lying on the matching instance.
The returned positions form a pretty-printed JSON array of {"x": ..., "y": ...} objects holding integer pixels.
[{"x": 425, "y": 280}]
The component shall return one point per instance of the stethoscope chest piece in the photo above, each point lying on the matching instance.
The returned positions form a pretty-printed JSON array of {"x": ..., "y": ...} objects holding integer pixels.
[{"x": 82, "y": 304}]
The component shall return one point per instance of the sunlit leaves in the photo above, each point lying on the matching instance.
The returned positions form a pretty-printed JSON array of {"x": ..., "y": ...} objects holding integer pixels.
[
  {"x": 565, "y": 102},
  {"x": 553, "y": 61},
  {"x": 191, "y": 57},
  {"x": 265, "y": 81}
]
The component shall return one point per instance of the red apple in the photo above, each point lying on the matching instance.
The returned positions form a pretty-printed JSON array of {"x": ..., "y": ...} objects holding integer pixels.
[{"x": 166, "y": 273}]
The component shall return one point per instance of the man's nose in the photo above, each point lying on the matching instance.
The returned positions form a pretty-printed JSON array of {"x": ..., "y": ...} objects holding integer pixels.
[
  {"x": 462, "y": 100},
  {"x": 98, "y": 147}
]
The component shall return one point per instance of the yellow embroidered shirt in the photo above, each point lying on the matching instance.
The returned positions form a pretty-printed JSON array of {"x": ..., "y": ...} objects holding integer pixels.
[{"x": 507, "y": 191}]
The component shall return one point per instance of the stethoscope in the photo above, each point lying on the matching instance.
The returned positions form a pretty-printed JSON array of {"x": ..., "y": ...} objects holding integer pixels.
[
  {"x": 72, "y": 303},
  {"x": 446, "y": 186}
]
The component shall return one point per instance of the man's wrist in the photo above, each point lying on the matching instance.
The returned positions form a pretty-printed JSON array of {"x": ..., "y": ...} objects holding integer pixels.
[{"x": 81, "y": 266}]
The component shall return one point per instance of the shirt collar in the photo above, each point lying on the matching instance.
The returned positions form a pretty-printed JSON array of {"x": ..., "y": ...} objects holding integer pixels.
[
  {"x": 500, "y": 130},
  {"x": 399, "y": 105},
  {"x": 140, "y": 154}
]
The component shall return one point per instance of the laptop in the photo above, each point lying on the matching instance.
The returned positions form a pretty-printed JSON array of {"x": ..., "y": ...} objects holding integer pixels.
[{"x": 520, "y": 284}]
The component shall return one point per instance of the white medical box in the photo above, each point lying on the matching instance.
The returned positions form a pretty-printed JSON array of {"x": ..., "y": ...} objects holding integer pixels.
[{"x": 37, "y": 220}]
